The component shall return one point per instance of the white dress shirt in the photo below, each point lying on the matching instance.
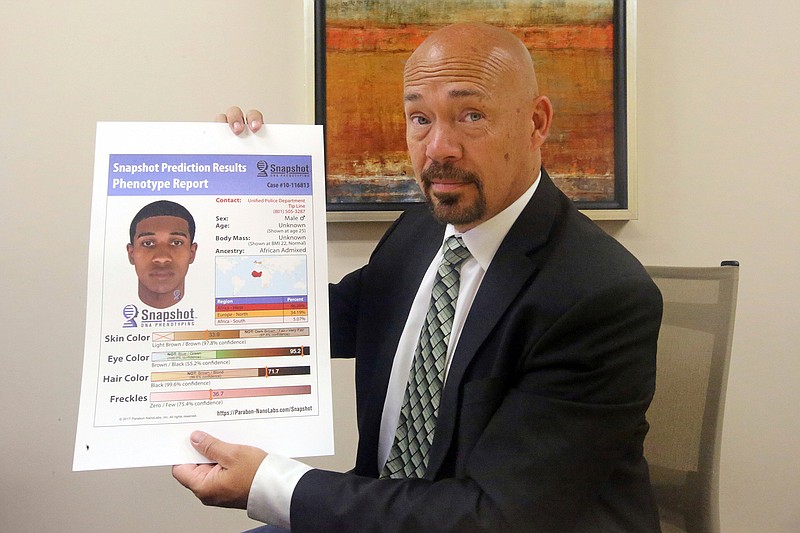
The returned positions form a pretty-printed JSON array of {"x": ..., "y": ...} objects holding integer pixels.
[{"x": 271, "y": 492}]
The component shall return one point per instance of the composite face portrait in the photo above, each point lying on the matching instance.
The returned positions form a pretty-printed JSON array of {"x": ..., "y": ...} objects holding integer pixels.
[{"x": 161, "y": 252}]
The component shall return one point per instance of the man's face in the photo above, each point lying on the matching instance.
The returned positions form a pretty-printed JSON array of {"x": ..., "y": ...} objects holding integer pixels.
[
  {"x": 161, "y": 252},
  {"x": 469, "y": 132}
]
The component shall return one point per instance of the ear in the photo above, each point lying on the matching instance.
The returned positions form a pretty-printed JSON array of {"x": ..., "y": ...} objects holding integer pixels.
[
  {"x": 542, "y": 118},
  {"x": 193, "y": 248},
  {"x": 130, "y": 253}
]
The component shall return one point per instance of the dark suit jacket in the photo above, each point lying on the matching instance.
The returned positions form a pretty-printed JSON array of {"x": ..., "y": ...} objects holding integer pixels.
[{"x": 542, "y": 418}]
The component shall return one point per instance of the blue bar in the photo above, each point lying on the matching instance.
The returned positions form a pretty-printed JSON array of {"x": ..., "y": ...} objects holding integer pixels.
[{"x": 191, "y": 175}]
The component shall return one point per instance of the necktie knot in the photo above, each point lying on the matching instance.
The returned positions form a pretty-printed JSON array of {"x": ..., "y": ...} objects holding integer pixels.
[{"x": 455, "y": 251}]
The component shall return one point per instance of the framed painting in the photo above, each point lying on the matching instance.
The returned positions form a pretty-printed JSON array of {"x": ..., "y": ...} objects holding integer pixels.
[{"x": 582, "y": 50}]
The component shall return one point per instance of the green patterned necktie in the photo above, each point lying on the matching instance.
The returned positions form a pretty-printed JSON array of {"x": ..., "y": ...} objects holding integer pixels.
[{"x": 408, "y": 457}]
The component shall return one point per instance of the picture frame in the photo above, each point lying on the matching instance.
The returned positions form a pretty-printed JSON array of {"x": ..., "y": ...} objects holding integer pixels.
[{"x": 586, "y": 66}]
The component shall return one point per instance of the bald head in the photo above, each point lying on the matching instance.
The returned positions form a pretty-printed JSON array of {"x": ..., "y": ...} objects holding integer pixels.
[{"x": 474, "y": 52}]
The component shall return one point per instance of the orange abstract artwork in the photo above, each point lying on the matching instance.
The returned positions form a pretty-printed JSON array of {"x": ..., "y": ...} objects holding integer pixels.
[{"x": 367, "y": 42}]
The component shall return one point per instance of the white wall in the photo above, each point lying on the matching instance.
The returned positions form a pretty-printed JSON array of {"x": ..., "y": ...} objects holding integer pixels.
[
  {"x": 718, "y": 132},
  {"x": 719, "y": 140},
  {"x": 63, "y": 67}
]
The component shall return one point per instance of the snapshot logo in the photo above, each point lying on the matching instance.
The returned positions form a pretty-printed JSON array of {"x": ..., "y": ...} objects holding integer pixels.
[
  {"x": 149, "y": 318},
  {"x": 281, "y": 168},
  {"x": 130, "y": 312},
  {"x": 262, "y": 169}
]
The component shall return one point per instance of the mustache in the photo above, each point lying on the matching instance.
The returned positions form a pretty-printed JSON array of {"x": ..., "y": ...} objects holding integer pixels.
[{"x": 448, "y": 172}]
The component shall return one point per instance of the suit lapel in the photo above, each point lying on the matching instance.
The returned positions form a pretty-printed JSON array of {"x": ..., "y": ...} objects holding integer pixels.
[
  {"x": 511, "y": 268},
  {"x": 407, "y": 274}
]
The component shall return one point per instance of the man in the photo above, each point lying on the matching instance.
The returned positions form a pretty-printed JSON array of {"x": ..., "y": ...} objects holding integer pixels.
[
  {"x": 550, "y": 364},
  {"x": 161, "y": 248}
]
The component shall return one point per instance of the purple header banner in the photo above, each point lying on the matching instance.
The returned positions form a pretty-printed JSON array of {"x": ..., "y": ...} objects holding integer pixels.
[
  {"x": 250, "y": 300},
  {"x": 190, "y": 175}
]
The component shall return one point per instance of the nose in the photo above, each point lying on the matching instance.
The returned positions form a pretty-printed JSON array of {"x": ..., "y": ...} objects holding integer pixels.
[
  {"x": 443, "y": 143},
  {"x": 161, "y": 255}
]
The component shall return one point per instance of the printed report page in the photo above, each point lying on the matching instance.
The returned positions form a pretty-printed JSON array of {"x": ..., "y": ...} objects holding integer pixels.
[{"x": 207, "y": 302}]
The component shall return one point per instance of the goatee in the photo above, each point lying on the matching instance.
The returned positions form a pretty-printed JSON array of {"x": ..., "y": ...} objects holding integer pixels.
[{"x": 450, "y": 208}]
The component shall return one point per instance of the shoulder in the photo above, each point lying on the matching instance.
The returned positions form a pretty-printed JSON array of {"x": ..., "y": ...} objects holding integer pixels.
[{"x": 575, "y": 258}]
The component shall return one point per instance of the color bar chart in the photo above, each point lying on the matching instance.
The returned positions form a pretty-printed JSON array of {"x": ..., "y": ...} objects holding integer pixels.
[
  {"x": 261, "y": 309},
  {"x": 197, "y": 355},
  {"x": 222, "y": 334},
  {"x": 227, "y": 373},
  {"x": 224, "y": 394}
]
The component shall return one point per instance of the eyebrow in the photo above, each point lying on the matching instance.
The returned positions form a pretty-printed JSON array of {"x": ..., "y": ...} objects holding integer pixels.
[
  {"x": 453, "y": 93},
  {"x": 151, "y": 233},
  {"x": 463, "y": 93}
]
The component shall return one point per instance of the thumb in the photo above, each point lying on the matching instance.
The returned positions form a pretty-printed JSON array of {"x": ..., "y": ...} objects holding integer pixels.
[{"x": 210, "y": 447}]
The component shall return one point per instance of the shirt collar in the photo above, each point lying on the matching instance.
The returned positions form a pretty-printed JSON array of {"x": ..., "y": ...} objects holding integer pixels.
[{"x": 484, "y": 239}]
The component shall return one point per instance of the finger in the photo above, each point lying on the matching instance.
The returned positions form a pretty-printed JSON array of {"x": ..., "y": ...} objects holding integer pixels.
[
  {"x": 255, "y": 120},
  {"x": 235, "y": 119},
  {"x": 183, "y": 473},
  {"x": 190, "y": 475},
  {"x": 204, "y": 481},
  {"x": 212, "y": 448}
]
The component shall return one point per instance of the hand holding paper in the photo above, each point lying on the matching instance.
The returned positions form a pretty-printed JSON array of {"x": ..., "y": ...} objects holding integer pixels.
[{"x": 226, "y": 483}]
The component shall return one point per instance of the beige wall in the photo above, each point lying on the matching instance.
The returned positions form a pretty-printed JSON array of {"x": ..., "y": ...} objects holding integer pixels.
[
  {"x": 718, "y": 131},
  {"x": 719, "y": 140}
]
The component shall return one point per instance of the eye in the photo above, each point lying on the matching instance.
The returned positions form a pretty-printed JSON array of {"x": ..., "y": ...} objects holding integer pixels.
[
  {"x": 147, "y": 243},
  {"x": 419, "y": 120},
  {"x": 473, "y": 116},
  {"x": 177, "y": 242}
]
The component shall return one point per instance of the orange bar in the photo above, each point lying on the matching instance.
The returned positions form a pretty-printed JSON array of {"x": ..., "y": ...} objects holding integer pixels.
[
  {"x": 350, "y": 39},
  {"x": 247, "y": 314}
]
